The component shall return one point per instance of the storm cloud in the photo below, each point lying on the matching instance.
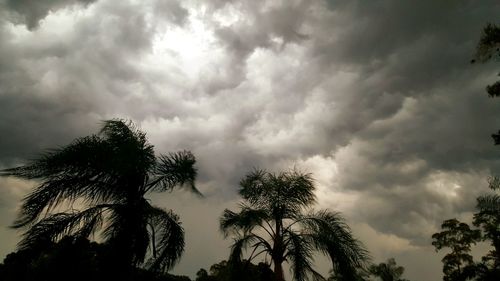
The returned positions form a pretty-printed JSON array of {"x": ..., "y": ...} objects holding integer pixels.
[{"x": 376, "y": 99}]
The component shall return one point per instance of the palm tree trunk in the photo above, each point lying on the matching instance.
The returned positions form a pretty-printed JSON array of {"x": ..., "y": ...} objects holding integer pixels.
[
  {"x": 278, "y": 252},
  {"x": 278, "y": 272},
  {"x": 153, "y": 240}
]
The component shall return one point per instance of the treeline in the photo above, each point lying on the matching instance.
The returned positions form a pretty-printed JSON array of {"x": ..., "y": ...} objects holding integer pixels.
[{"x": 79, "y": 259}]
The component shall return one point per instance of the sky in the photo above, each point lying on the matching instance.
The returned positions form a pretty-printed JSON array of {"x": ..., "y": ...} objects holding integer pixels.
[{"x": 377, "y": 99}]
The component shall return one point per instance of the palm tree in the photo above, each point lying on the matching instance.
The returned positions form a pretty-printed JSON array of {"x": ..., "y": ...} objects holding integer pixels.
[
  {"x": 107, "y": 175},
  {"x": 274, "y": 220}
]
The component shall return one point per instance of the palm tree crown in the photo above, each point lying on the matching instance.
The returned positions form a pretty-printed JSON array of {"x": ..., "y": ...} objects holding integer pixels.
[
  {"x": 275, "y": 220},
  {"x": 108, "y": 174}
]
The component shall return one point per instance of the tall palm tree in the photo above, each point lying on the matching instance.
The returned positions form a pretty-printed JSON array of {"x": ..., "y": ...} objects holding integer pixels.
[
  {"x": 275, "y": 219},
  {"x": 107, "y": 175}
]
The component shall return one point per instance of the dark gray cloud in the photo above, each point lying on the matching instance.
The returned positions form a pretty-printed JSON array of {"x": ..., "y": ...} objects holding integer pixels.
[
  {"x": 378, "y": 100},
  {"x": 31, "y": 12}
]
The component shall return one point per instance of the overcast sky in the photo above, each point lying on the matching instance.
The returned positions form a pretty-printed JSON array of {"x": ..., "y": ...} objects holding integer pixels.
[{"x": 377, "y": 99}]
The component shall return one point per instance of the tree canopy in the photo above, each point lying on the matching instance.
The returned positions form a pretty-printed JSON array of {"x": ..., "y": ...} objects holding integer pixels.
[
  {"x": 97, "y": 184},
  {"x": 388, "y": 271},
  {"x": 456, "y": 235},
  {"x": 71, "y": 258},
  {"x": 241, "y": 271},
  {"x": 276, "y": 219}
]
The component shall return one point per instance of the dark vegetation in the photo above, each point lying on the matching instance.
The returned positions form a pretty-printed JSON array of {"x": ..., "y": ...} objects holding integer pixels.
[
  {"x": 71, "y": 258},
  {"x": 459, "y": 237},
  {"x": 243, "y": 270},
  {"x": 97, "y": 186},
  {"x": 273, "y": 220}
]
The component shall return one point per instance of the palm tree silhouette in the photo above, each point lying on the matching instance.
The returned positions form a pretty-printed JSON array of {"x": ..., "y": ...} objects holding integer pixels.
[
  {"x": 273, "y": 220},
  {"x": 107, "y": 175}
]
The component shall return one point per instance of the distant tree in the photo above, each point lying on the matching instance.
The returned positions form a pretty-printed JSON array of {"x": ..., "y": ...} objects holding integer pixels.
[
  {"x": 458, "y": 236},
  {"x": 242, "y": 271},
  {"x": 388, "y": 271},
  {"x": 71, "y": 258},
  {"x": 202, "y": 275},
  {"x": 108, "y": 175},
  {"x": 273, "y": 220},
  {"x": 488, "y": 206},
  {"x": 488, "y": 219},
  {"x": 489, "y": 48},
  {"x": 361, "y": 275}
]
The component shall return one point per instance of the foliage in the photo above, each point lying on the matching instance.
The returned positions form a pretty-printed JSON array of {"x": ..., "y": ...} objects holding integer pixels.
[
  {"x": 361, "y": 275},
  {"x": 458, "y": 264},
  {"x": 241, "y": 271},
  {"x": 107, "y": 175},
  {"x": 388, "y": 271},
  {"x": 488, "y": 219},
  {"x": 274, "y": 220},
  {"x": 73, "y": 258},
  {"x": 489, "y": 44},
  {"x": 488, "y": 206},
  {"x": 487, "y": 49}
]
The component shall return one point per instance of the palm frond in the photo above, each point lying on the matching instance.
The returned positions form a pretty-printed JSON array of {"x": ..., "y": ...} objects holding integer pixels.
[
  {"x": 332, "y": 236},
  {"x": 55, "y": 191},
  {"x": 132, "y": 155},
  {"x": 245, "y": 220},
  {"x": 299, "y": 252},
  {"x": 168, "y": 239},
  {"x": 174, "y": 169},
  {"x": 240, "y": 244},
  {"x": 298, "y": 189},
  {"x": 80, "y": 170},
  {"x": 254, "y": 186},
  {"x": 284, "y": 193},
  {"x": 489, "y": 203},
  {"x": 54, "y": 227},
  {"x": 119, "y": 131},
  {"x": 494, "y": 183}
]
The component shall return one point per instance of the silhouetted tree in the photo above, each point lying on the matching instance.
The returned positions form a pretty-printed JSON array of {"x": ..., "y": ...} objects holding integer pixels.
[
  {"x": 488, "y": 206},
  {"x": 240, "y": 271},
  {"x": 75, "y": 258},
  {"x": 107, "y": 176},
  {"x": 458, "y": 236},
  {"x": 361, "y": 275},
  {"x": 202, "y": 275},
  {"x": 71, "y": 258},
  {"x": 488, "y": 219},
  {"x": 489, "y": 48},
  {"x": 388, "y": 271},
  {"x": 273, "y": 220}
]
